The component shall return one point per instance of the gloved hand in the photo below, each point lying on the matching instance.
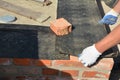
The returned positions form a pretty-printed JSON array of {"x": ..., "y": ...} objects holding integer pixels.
[
  {"x": 89, "y": 55},
  {"x": 110, "y": 18}
]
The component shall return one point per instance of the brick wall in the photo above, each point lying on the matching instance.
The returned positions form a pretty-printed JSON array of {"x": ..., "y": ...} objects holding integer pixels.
[{"x": 35, "y": 69}]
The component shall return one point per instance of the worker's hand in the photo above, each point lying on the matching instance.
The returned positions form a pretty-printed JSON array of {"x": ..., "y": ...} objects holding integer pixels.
[
  {"x": 110, "y": 18},
  {"x": 89, "y": 56}
]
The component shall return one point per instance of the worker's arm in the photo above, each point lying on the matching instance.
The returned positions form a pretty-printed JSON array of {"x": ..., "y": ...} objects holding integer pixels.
[
  {"x": 110, "y": 40},
  {"x": 117, "y": 7},
  {"x": 111, "y": 17},
  {"x": 91, "y": 53},
  {"x": 113, "y": 38}
]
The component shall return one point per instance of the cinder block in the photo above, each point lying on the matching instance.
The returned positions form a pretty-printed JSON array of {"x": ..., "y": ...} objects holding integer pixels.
[{"x": 61, "y": 26}]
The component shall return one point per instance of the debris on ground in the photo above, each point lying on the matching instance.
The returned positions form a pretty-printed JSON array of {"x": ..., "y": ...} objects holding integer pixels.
[{"x": 45, "y": 2}]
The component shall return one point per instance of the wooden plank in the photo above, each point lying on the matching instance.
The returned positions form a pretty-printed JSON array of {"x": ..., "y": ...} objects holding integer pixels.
[{"x": 38, "y": 16}]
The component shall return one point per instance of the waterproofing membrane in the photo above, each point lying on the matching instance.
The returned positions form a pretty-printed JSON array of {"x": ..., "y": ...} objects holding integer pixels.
[
  {"x": 84, "y": 15},
  {"x": 30, "y": 41}
]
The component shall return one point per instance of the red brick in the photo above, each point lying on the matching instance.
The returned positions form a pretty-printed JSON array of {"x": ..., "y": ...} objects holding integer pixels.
[
  {"x": 21, "y": 78},
  {"x": 47, "y": 71},
  {"x": 30, "y": 70},
  {"x": 23, "y": 62},
  {"x": 64, "y": 78},
  {"x": 60, "y": 26},
  {"x": 67, "y": 63},
  {"x": 74, "y": 58},
  {"x": 73, "y": 73},
  {"x": 105, "y": 64},
  {"x": 43, "y": 62},
  {"x": 94, "y": 74},
  {"x": 5, "y": 61},
  {"x": 10, "y": 70}
]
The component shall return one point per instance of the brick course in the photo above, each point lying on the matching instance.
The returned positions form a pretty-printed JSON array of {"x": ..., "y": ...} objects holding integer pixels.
[
  {"x": 64, "y": 69},
  {"x": 5, "y": 61}
]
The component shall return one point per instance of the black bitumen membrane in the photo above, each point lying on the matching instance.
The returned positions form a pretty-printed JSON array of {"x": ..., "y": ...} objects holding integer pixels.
[{"x": 32, "y": 41}]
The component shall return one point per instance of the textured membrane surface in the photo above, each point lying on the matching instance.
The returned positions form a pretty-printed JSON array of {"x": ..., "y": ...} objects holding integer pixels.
[
  {"x": 84, "y": 15},
  {"x": 26, "y": 41}
]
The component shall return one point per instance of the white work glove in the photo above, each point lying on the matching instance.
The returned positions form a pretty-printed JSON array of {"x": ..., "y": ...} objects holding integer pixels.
[
  {"x": 89, "y": 55},
  {"x": 110, "y": 18}
]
